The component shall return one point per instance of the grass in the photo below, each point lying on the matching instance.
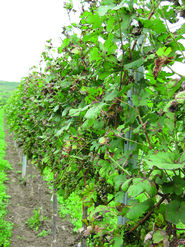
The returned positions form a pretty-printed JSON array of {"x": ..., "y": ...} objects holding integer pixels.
[
  {"x": 71, "y": 208},
  {"x": 6, "y": 89},
  {"x": 35, "y": 222},
  {"x": 5, "y": 226},
  {"x": 44, "y": 233}
]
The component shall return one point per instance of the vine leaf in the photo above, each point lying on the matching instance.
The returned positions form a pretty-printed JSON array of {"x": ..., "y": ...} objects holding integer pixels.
[
  {"x": 163, "y": 160},
  {"x": 180, "y": 97},
  {"x": 102, "y": 10},
  {"x": 163, "y": 51},
  {"x": 175, "y": 212},
  {"x": 125, "y": 185},
  {"x": 140, "y": 186},
  {"x": 135, "y": 64},
  {"x": 139, "y": 209},
  {"x": 109, "y": 96},
  {"x": 77, "y": 112},
  {"x": 94, "y": 111},
  {"x": 95, "y": 20},
  {"x": 118, "y": 241},
  {"x": 66, "y": 127},
  {"x": 174, "y": 187},
  {"x": 156, "y": 25},
  {"x": 94, "y": 55},
  {"x": 182, "y": 29},
  {"x": 159, "y": 236},
  {"x": 141, "y": 99}
]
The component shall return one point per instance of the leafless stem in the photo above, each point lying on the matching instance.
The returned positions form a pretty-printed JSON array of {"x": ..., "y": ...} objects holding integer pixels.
[{"x": 144, "y": 128}]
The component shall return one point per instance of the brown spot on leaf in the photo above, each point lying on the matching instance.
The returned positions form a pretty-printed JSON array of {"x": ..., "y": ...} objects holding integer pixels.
[{"x": 159, "y": 63}]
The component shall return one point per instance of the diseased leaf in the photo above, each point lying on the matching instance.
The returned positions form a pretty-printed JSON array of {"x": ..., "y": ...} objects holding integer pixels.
[
  {"x": 103, "y": 140},
  {"x": 159, "y": 62}
]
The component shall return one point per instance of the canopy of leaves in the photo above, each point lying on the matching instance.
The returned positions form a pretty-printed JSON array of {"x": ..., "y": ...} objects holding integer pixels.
[{"x": 105, "y": 115}]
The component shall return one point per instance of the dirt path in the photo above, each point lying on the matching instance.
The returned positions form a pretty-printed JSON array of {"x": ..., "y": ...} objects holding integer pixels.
[{"x": 22, "y": 203}]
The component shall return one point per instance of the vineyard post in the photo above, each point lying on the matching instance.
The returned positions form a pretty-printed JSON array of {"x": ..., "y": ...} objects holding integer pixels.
[
  {"x": 54, "y": 210},
  {"x": 84, "y": 215},
  {"x": 31, "y": 178},
  {"x": 128, "y": 146},
  {"x": 15, "y": 143},
  {"x": 18, "y": 150},
  {"x": 40, "y": 196},
  {"x": 20, "y": 154},
  {"x": 24, "y": 165}
]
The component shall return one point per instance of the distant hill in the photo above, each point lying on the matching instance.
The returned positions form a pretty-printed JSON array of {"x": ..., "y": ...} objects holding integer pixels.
[{"x": 6, "y": 89}]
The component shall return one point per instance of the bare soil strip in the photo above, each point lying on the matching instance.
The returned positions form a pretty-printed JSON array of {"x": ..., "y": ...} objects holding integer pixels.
[{"x": 23, "y": 202}]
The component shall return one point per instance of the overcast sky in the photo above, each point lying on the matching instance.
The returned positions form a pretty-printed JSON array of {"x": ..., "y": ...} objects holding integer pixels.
[{"x": 25, "y": 25}]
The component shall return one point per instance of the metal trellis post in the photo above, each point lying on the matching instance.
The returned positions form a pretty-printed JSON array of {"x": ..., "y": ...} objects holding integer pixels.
[
  {"x": 24, "y": 166},
  {"x": 138, "y": 75}
]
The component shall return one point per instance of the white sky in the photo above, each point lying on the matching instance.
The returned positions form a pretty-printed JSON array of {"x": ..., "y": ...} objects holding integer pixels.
[{"x": 25, "y": 25}]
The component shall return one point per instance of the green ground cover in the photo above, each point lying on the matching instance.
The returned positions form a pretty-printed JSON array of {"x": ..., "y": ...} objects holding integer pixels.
[
  {"x": 72, "y": 207},
  {"x": 5, "y": 226},
  {"x": 6, "y": 89}
]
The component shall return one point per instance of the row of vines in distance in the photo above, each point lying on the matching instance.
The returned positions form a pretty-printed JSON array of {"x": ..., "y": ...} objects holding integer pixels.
[{"x": 73, "y": 118}]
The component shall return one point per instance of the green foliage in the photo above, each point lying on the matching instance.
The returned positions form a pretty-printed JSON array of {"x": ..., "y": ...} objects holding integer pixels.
[
  {"x": 107, "y": 118},
  {"x": 35, "y": 221},
  {"x": 6, "y": 89},
  {"x": 43, "y": 233},
  {"x": 5, "y": 226},
  {"x": 70, "y": 208}
]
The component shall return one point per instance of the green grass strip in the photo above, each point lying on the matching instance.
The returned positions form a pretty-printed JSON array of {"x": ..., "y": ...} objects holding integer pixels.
[{"x": 5, "y": 226}]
